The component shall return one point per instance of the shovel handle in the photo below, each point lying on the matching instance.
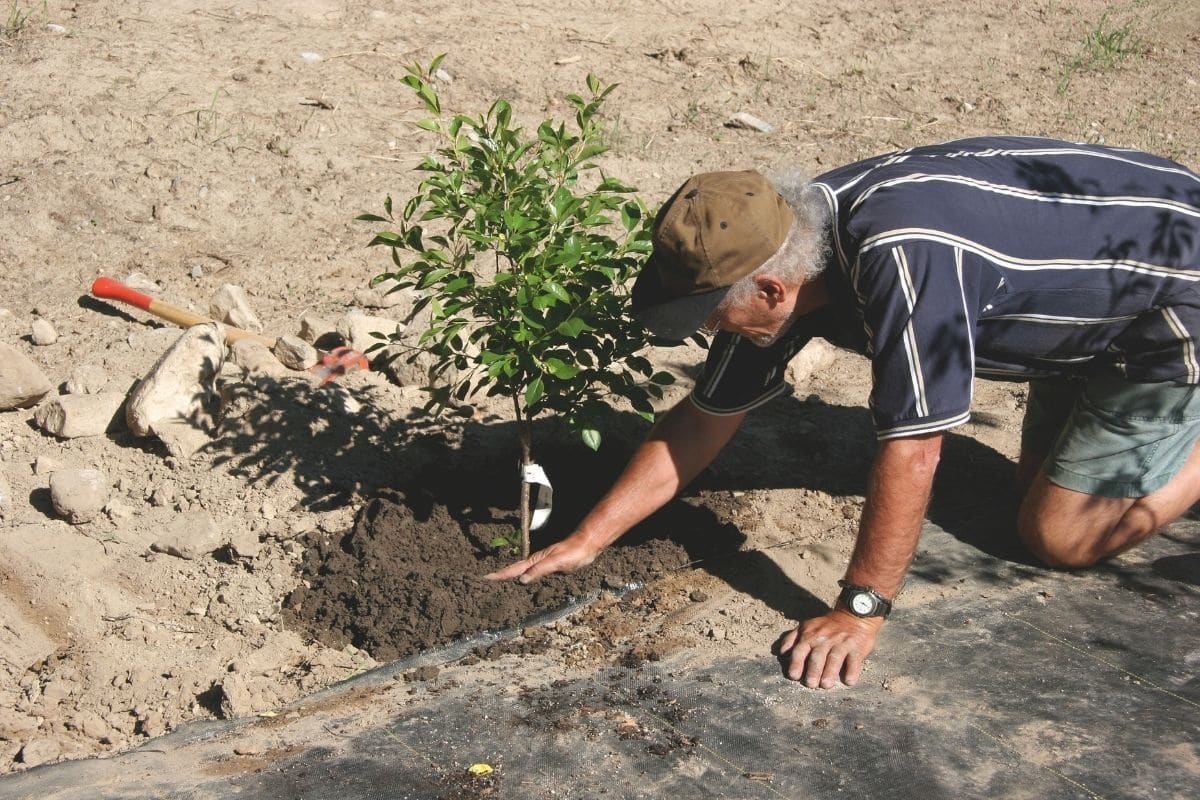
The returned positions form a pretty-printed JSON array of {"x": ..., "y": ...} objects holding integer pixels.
[{"x": 108, "y": 289}]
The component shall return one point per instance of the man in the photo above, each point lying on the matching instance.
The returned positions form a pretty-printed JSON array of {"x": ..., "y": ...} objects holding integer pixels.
[{"x": 1073, "y": 267}]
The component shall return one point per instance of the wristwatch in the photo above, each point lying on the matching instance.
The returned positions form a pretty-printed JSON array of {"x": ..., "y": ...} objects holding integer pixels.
[{"x": 863, "y": 601}]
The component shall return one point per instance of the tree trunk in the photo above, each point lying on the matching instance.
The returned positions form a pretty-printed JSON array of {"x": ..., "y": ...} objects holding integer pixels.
[{"x": 525, "y": 433}]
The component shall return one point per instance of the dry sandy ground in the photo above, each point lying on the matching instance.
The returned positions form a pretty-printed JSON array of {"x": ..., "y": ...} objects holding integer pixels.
[{"x": 196, "y": 143}]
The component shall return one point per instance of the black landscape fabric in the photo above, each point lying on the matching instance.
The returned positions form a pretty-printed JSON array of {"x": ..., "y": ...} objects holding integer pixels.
[{"x": 1086, "y": 689}]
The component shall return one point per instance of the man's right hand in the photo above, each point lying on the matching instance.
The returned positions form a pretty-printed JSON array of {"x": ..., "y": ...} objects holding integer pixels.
[{"x": 566, "y": 556}]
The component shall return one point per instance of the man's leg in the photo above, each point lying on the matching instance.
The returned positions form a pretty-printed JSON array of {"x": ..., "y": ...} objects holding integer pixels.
[
  {"x": 1125, "y": 463},
  {"x": 1066, "y": 528}
]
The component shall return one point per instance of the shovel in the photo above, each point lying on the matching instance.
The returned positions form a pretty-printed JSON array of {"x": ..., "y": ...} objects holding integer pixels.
[{"x": 336, "y": 362}]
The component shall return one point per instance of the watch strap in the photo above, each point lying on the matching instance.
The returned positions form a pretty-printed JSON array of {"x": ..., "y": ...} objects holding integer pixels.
[{"x": 883, "y": 606}]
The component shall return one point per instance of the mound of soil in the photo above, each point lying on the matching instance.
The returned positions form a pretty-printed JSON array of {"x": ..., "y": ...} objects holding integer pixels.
[{"x": 408, "y": 576}]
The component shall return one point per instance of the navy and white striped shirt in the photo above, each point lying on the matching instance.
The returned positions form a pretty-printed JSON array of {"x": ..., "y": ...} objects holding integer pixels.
[{"x": 1002, "y": 257}]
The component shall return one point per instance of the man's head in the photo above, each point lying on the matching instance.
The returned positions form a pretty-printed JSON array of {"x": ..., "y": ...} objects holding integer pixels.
[{"x": 726, "y": 239}]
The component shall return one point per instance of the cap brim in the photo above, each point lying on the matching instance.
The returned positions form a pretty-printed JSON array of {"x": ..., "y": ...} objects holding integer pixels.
[{"x": 668, "y": 317}]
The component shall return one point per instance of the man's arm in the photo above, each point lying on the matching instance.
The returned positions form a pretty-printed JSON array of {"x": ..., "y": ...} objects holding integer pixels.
[
  {"x": 822, "y": 649},
  {"x": 681, "y": 444}
]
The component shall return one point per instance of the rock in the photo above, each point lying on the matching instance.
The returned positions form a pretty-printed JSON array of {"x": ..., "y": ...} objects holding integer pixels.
[
  {"x": 190, "y": 535},
  {"x": 362, "y": 331},
  {"x": 88, "y": 379},
  {"x": 152, "y": 724},
  {"x": 140, "y": 282},
  {"x": 314, "y": 329},
  {"x": 14, "y": 724},
  {"x": 256, "y": 357},
  {"x": 236, "y": 698},
  {"x": 750, "y": 122},
  {"x": 45, "y": 465},
  {"x": 231, "y": 306},
  {"x": 182, "y": 439},
  {"x": 178, "y": 388},
  {"x": 381, "y": 295},
  {"x": 197, "y": 272},
  {"x": 295, "y": 353},
  {"x": 72, "y": 416},
  {"x": 43, "y": 332},
  {"x": 117, "y": 511},
  {"x": 41, "y": 750},
  {"x": 90, "y": 724},
  {"x": 22, "y": 383},
  {"x": 816, "y": 356},
  {"x": 78, "y": 495},
  {"x": 245, "y": 544}
]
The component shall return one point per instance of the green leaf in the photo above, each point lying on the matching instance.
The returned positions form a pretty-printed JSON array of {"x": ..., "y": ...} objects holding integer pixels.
[
  {"x": 573, "y": 327},
  {"x": 591, "y": 438},
  {"x": 429, "y": 124},
  {"x": 386, "y": 238},
  {"x": 662, "y": 378},
  {"x": 560, "y": 369},
  {"x": 372, "y": 218},
  {"x": 614, "y": 185},
  {"x": 558, "y": 291},
  {"x": 534, "y": 392}
]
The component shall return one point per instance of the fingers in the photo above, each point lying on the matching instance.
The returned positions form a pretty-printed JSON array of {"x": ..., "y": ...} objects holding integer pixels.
[
  {"x": 854, "y": 668},
  {"x": 823, "y": 651},
  {"x": 555, "y": 558},
  {"x": 515, "y": 570}
]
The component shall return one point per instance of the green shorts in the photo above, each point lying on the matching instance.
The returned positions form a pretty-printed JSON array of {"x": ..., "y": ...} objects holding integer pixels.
[{"x": 1107, "y": 436}]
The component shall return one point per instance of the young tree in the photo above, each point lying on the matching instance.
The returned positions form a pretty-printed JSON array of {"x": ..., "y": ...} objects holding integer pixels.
[{"x": 522, "y": 248}]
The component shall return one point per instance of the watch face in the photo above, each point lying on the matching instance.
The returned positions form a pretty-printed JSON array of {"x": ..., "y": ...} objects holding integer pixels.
[{"x": 862, "y": 604}]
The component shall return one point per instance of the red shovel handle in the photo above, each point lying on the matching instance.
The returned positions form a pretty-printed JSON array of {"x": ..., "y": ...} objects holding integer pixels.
[{"x": 108, "y": 289}]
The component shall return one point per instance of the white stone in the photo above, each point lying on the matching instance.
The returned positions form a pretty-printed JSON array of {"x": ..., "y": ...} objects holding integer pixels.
[
  {"x": 245, "y": 543},
  {"x": 87, "y": 379},
  {"x": 22, "y": 382},
  {"x": 178, "y": 388},
  {"x": 231, "y": 306},
  {"x": 360, "y": 331},
  {"x": 43, "y": 332},
  {"x": 79, "y": 495},
  {"x": 294, "y": 353},
  {"x": 40, "y": 751},
  {"x": 256, "y": 357},
  {"x": 748, "y": 121},
  {"x": 46, "y": 465},
  {"x": 182, "y": 439},
  {"x": 815, "y": 356},
  {"x": 72, "y": 416},
  {"x": 190, "y": 535},
  {"x": 142, "y": 283},
  {"x": 314, "y": 328}
]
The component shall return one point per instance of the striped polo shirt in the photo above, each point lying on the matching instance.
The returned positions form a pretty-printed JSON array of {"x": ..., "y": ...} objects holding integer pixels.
[{"x": 1003, "y": 257}]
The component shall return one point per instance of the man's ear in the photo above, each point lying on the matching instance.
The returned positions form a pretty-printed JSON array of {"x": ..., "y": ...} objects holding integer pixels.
[{"x": 771, "y": 288}]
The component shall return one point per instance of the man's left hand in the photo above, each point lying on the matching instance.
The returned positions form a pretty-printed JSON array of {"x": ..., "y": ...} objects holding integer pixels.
[{"x": 822, "y": 649}]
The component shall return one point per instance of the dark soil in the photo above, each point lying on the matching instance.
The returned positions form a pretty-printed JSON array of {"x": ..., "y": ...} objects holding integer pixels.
[{"x": 408, "y": 576}]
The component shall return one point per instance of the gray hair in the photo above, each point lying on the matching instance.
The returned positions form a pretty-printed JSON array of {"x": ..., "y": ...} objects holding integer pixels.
[{"x": 804, "y": 252}]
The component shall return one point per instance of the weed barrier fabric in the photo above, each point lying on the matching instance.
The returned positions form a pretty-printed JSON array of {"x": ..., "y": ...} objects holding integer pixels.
[{"x": 1077, "y": 686}]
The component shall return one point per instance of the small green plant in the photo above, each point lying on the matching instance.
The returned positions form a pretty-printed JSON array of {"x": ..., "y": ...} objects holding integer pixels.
[
  {"x": 1104, "y": 47},
  {"x": 508, "y": 545},
  {"x": 521, "y": 248},
  {"x": 15, "y": 21}
]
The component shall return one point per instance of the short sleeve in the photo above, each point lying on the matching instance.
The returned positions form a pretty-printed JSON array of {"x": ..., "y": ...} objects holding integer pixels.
[
  {"x": 920, "y": 336},
  {"x": 740, "y": 376}
]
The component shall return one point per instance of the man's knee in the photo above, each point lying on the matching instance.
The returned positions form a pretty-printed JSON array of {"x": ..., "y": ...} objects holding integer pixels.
[{"x": 1058, "y": 547}]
